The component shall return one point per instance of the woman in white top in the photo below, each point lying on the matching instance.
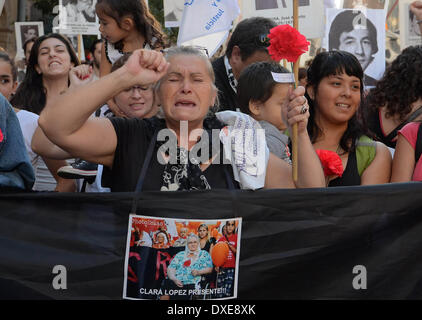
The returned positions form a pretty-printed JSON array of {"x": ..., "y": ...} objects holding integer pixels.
[{"x": 45, "y": 169}]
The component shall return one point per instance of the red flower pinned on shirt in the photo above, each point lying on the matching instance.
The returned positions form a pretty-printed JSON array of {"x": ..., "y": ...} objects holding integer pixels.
[
  {"x": 287, "y": 43},
  {"x": 1, "y": 136},
  {"x": 187, "y": 263},
  {"x": 331, "y": 163}
]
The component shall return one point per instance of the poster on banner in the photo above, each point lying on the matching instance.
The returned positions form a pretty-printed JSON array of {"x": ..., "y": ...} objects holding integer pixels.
[
  {"x": 212, "y": 20},
  {"x": 25, "y": 31},
  {"x": 78, "y": 17},
  {"x": 410, "y": 33},
  {"x": 361, "y": 33},
  {"x": 177, "y": 259},
  {"x": 173, "y": 12},
  {"x": 311, "y": 22}
]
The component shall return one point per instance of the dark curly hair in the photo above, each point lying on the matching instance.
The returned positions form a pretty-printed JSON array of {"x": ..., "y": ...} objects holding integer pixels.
[
  {"x": 400, "y": 86},
  {"x": 145, "y": 22},
  {"x": 324, "y": 65}
]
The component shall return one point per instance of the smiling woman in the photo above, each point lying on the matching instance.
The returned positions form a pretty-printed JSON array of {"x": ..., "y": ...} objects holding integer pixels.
[
  {"x": 129, "y": 147},
  {"x": 47, "y": 75},
  {"x": 335, "y": 87}
]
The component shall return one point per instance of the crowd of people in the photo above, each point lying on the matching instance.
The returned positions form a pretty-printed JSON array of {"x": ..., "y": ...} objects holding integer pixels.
[{"x": 143, "y": 115}]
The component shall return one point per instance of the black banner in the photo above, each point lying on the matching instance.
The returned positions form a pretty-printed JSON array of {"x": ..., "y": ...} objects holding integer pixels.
[{"x": 332, "y": 243}]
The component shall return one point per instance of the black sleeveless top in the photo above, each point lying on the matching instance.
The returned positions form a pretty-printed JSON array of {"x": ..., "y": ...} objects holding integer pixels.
[{"x": 351, "y": 175}]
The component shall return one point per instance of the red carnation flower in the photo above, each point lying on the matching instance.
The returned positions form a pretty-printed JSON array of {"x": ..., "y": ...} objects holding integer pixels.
[
  {"x": 1, "y": 136},
  {"x": 287, "y": 43},
  {"x": 331, "y": 163},
  {"x": 187, "y": 263}
]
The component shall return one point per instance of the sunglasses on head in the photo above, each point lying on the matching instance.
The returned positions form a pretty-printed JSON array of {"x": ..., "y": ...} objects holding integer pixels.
[{"x": 260, "y": 41}]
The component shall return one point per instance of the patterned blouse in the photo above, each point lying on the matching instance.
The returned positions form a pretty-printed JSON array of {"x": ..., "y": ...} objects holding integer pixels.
[{"x": 184, "y": 266}]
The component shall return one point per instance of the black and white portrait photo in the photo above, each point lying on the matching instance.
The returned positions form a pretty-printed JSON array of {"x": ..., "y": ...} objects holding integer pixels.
[
  {"x": 26, "y": 31},
  {"x": 360, "y": 34}
]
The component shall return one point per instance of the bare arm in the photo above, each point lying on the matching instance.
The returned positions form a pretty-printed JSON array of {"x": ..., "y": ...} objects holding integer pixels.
[
  {"x": 403, "y": 162},
  {"x": 63, "y": 185},
  {"x": 310, "y": 173},
  {"x": 379, "y": 171},
  {"x": 43, "y": 146},
  {"x": 66, "y": 119}
]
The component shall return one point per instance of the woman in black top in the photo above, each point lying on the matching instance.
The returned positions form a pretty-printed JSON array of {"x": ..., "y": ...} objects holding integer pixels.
[
  {"x": 335, "y": 88},
  {"x": 129, "y": 147}
]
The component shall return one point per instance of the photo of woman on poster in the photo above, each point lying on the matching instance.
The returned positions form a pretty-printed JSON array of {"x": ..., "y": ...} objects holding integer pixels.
[{"x": 186, "y": 270}]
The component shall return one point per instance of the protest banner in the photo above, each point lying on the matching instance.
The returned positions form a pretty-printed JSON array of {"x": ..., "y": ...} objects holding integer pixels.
[{"x": 331, "y": 243}]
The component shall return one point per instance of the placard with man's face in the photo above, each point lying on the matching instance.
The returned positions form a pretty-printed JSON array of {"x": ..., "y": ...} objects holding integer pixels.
[
  {"x": 26, "y": 31},
  {"x": 361, "y": 33}
]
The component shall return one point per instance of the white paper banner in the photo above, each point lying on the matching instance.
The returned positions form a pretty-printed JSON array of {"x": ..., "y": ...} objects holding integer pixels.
[
  {"x": 78, "y": 18},
  {"x": 207, "y": 23},
  {"x": 311, "y": 13}
]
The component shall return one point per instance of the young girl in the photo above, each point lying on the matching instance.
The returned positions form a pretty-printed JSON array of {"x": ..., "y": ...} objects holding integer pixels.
[
  {"x": 334, "y": 91},
  {"x": 44, "y": 180},
  {"x": 125, "y": 25},
  {"x": 261, "y": 93}
]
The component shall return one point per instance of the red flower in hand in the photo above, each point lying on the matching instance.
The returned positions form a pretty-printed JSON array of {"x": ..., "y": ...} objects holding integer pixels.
[
  {"x": 1, "y": 136},
  {"x": 187, "y": 263},
  {"x": 331, "y": 163},
  {"x": 287, "y": 43}
]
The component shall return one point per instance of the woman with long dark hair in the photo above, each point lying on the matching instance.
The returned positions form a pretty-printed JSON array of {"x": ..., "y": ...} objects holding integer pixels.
[
  {"x": 47, "y": 76},
  {"x": 47, "y": 73},
  {"x": 334, "y": 91}
]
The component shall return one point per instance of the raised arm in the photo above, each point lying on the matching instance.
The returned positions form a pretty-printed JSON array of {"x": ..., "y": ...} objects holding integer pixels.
[
  {"x": 310, "y": 173},
  {"x": 66, "y": 119}
]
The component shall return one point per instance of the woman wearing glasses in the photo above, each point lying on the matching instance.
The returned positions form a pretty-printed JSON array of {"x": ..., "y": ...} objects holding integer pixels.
[{"x": 168, "y": 148}]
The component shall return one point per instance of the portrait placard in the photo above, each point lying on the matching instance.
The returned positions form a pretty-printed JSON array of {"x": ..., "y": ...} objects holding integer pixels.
[{"x": 25, "y": 31}]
